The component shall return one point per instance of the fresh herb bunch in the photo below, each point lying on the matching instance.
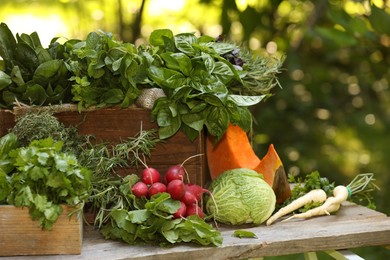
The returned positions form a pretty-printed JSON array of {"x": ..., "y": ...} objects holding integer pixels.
[
  {"x": 361, "y": 189},
  {"x": 207, "y": 82},
  {"x": 303, "y": 185},
  {"x": 140, "y": 220},
  {"x": 30, "y": 73},
  {"x": 105, "y": 71},
  {"x": 104, "y": 159},
  {"x": 40, "y": 125},
  {"x": 8, "y": 143},
  {"x": 203, "y": 88},
  {"x": 45, "y": 178}
]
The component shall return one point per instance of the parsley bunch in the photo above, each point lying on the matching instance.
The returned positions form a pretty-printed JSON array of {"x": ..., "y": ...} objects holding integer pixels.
[{"x": 44, "y": 178}]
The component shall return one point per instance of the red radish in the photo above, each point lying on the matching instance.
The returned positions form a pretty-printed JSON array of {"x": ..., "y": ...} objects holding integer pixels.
[
  {"x": 189, "y": 198},
  {"x": 181, "y": 212},
  {"x": 176, "y": 189},
  {"x": 196, "y": 190},
  {"x": 165, "y": 180},
  {"x": 150, "y": 176},
  {"x": 140, "y": 189},
  {"x": 175, "y": 172},
  {"x": 194, "y": 209},
  {"x": 157, "y": 187}
]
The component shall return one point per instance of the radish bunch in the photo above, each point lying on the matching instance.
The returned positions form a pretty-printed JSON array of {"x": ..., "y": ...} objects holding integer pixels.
[{"x": 173, "y": 183}]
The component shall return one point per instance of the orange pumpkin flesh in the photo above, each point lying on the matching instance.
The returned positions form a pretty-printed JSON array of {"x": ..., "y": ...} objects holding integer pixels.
[
  {"x": 232, "y": 151},
  {"x": 274, "y": 174},
  {"x": 235, "y": 151}
]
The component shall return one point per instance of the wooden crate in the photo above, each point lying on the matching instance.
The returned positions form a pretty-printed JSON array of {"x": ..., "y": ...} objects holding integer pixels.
[
  {"x": 22, "y": 236},
  {"x": 114, "y": 124}
]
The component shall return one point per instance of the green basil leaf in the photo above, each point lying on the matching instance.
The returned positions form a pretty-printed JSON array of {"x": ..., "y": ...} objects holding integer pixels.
[
  {"x": 223, "y": 72},
  {"x": 191, "y": 133},
  {"x": 205, "y": 39},
  {"x": 217, "y": 121},
  {"x": 181, "y": 92},
  {"x": 240, "y": 116},
  {"x": 166, "y": 78},
  {"x": 184, "y": 63},
  {"x": 215, "y": 100},
  {"x": 245, "y": 101},
  {"x": 171, "y": 128},
  {"x": 170, "y": 61},
  {"x": 184, "y": 41},
  {"x": 194, "y": 120},
  {"x": 209, "y": 62},
  {"x": 157, "y": 37},
  {"x": 196, "y": 105}
]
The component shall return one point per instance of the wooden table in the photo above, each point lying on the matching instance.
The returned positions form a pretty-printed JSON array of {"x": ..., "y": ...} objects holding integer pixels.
[{"x": 353, "y": 226}]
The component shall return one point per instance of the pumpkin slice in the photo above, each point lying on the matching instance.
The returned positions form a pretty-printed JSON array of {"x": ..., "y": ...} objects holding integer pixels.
[
  {"x": 271, "y": 167},
  {"x": 232, "y": 151}
]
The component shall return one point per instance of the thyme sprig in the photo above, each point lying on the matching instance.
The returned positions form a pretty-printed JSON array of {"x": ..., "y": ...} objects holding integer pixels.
[{"x": 109, "y": 189}]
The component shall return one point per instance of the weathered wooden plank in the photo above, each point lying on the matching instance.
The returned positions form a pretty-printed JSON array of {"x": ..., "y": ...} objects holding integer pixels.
[
  {"x": 353, "y": 226},
  {"x": 22, "y": 236}
]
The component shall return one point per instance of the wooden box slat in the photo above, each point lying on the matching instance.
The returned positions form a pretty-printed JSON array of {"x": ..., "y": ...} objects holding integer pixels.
[
  {"x": 115, "y": 124},
  {"x": 22, "y": 236}
]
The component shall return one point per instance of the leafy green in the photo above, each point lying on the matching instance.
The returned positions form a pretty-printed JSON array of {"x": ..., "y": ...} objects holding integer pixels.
[
  {"x": 122, "y": 216},
  {"x": 45, "y": 178},
  {"x": 241, "y": 196},
  {"x": 32, "y": 74},
  {"x": 105, "y": 71},
  {"x": 244, "y": 234},
  {"x": 208, "y": 83},
  {"x": 302, "y": 186},
  {"x": 8, "y": 142},
  {"x": 192, "y": 71},
  {"x": 154, "y": 223}
]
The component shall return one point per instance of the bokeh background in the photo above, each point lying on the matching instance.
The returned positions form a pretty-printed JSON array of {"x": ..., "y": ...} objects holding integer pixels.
[{"x": 332, "y": 111}]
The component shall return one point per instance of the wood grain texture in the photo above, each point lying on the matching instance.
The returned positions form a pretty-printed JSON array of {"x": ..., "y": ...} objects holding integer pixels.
[
  {"x": 113, "y": 125},
  {"x": 22, "y": 236},
  {"x": 352, "y": 227}
]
